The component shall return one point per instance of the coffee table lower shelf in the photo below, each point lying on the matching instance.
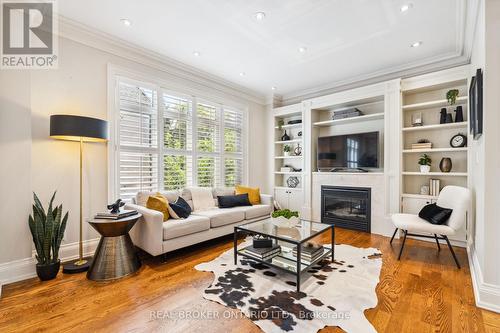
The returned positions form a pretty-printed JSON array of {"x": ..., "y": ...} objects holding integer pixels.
[{"x": 297, "y": 268}]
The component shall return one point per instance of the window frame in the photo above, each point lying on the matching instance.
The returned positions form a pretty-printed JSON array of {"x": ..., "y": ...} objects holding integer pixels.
[{"x": 117, "y": 75}]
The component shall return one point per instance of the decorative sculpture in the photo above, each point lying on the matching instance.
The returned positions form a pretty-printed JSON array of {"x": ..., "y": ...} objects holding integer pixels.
[{"x": 115, "y": 207}]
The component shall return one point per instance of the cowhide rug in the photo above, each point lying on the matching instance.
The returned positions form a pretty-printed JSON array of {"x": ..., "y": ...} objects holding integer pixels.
[{"x": 332, "y": 294}]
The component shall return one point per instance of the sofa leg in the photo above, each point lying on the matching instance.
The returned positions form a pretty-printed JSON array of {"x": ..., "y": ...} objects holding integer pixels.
[
  {"x": 394, "y": 234},
  {"x": 452, "y": 252},
  {"x": 164, "y": 257},
  {"x": 437, "y": 242},
  {"x": 403, "y": 244}
]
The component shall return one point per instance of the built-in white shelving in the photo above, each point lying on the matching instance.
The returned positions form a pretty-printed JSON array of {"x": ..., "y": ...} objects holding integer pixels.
[
  {"x": 285, "y": 195},
  {"x": 349, "y": 120},
  {"x": 288, "y": 141},
  {"x": 462, "y": 124},
  {"x": 435, "y": 174},
  {"x": 433, "y": 104},
  {"x": 289, "y": 126},
  {"x": 425, "y": 96},
  {"x": 288, "y": 157},
  {"x": 435, "y": 150}
]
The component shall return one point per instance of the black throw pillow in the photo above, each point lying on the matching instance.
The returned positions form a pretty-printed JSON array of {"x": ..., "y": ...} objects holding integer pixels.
[
  {"x": 435, "y": 214},
  {"x": 181, "y": 208},
  {"x": 229, "y": 201}
]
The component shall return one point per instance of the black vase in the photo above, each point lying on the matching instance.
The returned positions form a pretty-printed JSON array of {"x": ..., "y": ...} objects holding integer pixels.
[
  {"x": 49, "y": 271},
  {"x": 449, "y": 118},
  {"x": 442, "y": 119},
  {"x": 285, "y": 137},
  {"x": 459, "y": 114},
  {"x": 445, "y": 165}
]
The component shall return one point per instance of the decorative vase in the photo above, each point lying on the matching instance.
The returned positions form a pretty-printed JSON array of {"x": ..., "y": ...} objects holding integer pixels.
[
  {"x": 298, "y": 150},
  {"x": 49, "y": 271},
  {"x": 425, "y": 168},
  {"x": 442, "y": 118},
  {"x": 285, "y": 137},
  {"x": 459, "y": 114},
  {"x": 445, "y": 165},
  {"x": 449, "y": 118}
]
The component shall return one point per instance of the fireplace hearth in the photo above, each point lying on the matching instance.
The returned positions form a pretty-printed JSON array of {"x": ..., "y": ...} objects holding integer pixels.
[{"x": 346, "y": 207}]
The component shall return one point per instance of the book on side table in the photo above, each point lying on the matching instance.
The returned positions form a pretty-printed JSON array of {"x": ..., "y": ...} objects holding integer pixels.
[
  {"x": 262, "y": 253},
  {"x": 115, "y": 216}
]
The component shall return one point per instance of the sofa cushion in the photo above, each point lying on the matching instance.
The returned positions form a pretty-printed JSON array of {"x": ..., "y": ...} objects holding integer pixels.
[
  {"x": 255, "y": 211},
  {"x": 181, "y": 208},
  {"x": 219, "y": 216},
  {"x": 141, "y": 197},
  {"x": 182, "y": 227},
  {"x": 253, "y": 193},
  {"x": 160, "y": 204},
  {"x": 229, "y": 201}
]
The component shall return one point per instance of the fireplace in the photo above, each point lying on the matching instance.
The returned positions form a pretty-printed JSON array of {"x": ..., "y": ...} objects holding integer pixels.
[{"x": 346, "y": 207}]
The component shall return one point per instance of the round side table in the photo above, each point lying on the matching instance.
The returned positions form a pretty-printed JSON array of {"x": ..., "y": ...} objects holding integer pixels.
[{"x": 115, "y": 256}]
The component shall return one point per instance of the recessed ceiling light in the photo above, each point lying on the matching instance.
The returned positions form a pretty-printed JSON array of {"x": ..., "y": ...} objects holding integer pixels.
[
  {"x": 126, "y": 22},
  {"x": 416, "y": 44},
  {"x": 259, "y": 16},
  {"x": 302, "y": 49},
  {"x": 273, "y": 88},
  {"x": 196, "y": 53},
  {"x": 242, "y": 74},
  {"x": 405, "y": 8}
]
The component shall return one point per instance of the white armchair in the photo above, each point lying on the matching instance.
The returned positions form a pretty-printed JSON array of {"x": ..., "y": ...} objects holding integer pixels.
[{"x": 454, "y": 197}]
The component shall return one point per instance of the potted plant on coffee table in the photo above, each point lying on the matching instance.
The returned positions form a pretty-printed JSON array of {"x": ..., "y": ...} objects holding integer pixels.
[
  {"x": 285, "y": 218},
  {"x": 47, "y": 230},
  {"x": 425, "y": 163}
]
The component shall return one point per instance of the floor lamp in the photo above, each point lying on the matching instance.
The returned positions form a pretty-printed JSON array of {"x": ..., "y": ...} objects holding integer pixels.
[{"x": 80, "y": 129}]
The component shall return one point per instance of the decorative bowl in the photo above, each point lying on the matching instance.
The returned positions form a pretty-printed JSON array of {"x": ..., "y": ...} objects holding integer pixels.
[{"x": 283, "y": 222}]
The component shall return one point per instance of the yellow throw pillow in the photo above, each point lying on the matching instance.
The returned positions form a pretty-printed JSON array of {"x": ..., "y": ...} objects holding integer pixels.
[
  {"x": 159, "y": 203},
  {"x": 253, "y": 193}
]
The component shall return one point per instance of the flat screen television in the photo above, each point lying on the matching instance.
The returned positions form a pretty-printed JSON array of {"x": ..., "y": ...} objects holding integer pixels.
[{"x": 352, "y": 151}]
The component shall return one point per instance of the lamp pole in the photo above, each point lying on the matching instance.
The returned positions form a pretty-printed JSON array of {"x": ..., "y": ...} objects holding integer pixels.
[{"x": 81, "y": 261}]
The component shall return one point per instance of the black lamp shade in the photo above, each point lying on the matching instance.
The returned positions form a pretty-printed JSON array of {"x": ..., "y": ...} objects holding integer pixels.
[{"x": 76, "y": 128}]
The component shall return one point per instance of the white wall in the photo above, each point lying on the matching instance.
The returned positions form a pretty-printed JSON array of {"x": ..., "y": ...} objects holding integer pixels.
[
  {"x": 34, "y": 162},
  {"x": 485, "y": 155}
]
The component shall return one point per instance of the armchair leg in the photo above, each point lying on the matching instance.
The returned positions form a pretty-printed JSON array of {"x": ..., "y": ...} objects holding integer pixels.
[
  {"x": 437, "y": 242},
  {"x": 403, "y": 244},
  {"x": 451, "y": 250},
  {"x": 394, "y": 234}
]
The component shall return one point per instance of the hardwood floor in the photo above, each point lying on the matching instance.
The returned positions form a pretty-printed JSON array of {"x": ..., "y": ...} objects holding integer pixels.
[{"x": 424, "y": 292}]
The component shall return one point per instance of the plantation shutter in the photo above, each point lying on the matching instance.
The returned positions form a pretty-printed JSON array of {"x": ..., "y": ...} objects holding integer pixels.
[
  {"x": 233, "y": 147},
  {"x": 177, "y": 141},
  {"x": 138, "y": 140},
  {"x": 208, "y": 142}
]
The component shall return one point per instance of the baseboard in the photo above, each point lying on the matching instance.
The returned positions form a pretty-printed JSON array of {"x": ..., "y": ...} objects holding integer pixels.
[
  {"x": 487, "y": 295},
  {"x": 23, "y": 269}
]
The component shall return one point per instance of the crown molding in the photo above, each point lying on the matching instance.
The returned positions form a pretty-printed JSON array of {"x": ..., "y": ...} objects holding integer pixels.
[
  {"x": 467, "y": 12},
  {"x": 97, "y": 39}
]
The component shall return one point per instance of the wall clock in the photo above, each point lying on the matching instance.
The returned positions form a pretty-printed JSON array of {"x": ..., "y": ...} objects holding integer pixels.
[{"x": 458, "y": 140}]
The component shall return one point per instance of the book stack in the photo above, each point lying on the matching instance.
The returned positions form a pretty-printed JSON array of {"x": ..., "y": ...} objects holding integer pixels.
[
  {"x": 262, "y": 253},
  {"x": 116, "y": 216},
  {"x": 348, "y": 113},
  {"x": 309, "y": 253},
  {"x": 434, "y": 187},
  {"x": 425, "y": 145}
]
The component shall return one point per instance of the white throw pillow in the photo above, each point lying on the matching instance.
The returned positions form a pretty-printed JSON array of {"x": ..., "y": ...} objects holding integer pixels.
[{"x": 202, "y": 198}]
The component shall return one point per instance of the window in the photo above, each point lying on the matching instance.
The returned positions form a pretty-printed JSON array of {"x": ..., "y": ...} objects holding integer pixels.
[{"x": 167, "y": 140}]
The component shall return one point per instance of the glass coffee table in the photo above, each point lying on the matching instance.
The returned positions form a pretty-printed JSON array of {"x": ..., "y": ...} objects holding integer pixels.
[{"x": 292, "y": 241}]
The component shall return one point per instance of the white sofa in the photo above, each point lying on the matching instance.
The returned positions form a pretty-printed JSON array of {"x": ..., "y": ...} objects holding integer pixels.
[{"x": 156, "y": 237}]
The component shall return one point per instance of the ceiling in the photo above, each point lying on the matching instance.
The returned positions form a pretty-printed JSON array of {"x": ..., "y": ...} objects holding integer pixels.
[{"x": 344, "y": 39}]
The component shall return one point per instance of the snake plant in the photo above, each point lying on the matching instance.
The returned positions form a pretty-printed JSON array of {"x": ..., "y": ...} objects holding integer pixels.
[{"x": 47, "y": 230}]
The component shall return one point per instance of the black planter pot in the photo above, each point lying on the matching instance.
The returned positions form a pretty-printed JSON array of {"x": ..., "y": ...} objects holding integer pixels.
[{"x": 49, "y": 271}]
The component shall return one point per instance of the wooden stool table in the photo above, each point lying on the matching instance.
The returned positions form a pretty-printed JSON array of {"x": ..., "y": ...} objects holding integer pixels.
[{"x": 115, "y": 256}]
